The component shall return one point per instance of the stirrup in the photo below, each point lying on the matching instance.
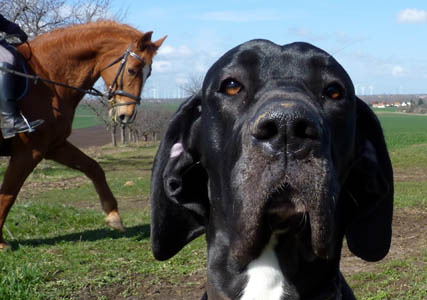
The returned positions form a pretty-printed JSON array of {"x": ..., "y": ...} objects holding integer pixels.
[{"x": 30, "y": 129}]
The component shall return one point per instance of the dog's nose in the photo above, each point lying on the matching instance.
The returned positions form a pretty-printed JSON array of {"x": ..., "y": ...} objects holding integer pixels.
[{"x": 286, "y": 126}]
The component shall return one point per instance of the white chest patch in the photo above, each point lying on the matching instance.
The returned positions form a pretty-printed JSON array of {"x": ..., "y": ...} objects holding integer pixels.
[
  {"x": 265, "y": 279},
  {"x": 176, "y": 150}
]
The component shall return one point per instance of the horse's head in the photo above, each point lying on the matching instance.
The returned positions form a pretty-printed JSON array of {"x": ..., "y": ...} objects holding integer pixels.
[{"x": 126, "y": 75}]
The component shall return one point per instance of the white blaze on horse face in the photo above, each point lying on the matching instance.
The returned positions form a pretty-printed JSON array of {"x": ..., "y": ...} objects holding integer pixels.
[
  {"x": 145, "y": 73},
  {"x": 176, "y": 150},
  {"x": 265, "y": 279}
]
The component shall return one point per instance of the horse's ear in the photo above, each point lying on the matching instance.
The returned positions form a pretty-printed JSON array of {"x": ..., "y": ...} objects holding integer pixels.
[
  {"x": 159, "y": 42},
  {"x": 144, "y": 40},
  {"x": 179, "y": 198},
  {"x": 368, "y": 190}
]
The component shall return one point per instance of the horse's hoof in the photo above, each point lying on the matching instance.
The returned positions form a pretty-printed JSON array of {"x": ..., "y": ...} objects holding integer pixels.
[
  {"x": 5, "y": 247},
  {"x": 114, "y": 221}
]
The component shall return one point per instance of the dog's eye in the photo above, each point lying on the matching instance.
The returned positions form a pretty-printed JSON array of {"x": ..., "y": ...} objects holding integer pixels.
[
  {"x": 334, "y": 91},
  {"x": 231, "y": 87}
]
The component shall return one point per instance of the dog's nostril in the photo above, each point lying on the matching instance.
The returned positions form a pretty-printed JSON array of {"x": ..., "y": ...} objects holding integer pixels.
[
  {"x": 265, "y": 130},
  {"x": 304, "y": 129}
]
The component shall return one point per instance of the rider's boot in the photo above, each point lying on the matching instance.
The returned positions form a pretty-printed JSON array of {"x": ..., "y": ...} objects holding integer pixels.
[{"x": 12, "y": 122}]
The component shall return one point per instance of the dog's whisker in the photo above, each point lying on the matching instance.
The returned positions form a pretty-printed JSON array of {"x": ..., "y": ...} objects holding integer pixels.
[
  {"x": 302, "y": 224},
  {"x": 352, "y": 197}
]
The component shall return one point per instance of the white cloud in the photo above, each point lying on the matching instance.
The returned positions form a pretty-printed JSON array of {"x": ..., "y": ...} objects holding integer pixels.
[
  {"x": 184, "y": 50},
  {"x": 179, "y": 51},
  {"x": 397, "y": 71},
  {"x": 412, "y": 15},
  {"x": 165, "y": 50},
  {"x": 175, "y": 65},
  {"x": 161, "y": 66}
]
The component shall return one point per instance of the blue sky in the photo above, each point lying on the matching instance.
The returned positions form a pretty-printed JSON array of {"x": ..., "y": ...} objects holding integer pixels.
[{"x": 381, "y": 44}]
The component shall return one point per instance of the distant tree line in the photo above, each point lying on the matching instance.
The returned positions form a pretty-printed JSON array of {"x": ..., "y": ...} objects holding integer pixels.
[
  {"x": 149, "y": 124},
  {"x": 393, "y": 98},
  {"x": 417, "y": 103}
]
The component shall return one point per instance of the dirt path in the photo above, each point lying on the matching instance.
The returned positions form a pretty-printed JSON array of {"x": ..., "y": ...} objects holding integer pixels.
[{"x": 87, "y": 137}]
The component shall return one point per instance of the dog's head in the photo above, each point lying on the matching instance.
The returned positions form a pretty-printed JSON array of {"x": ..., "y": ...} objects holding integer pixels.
[{"x": 277, "y": 148}]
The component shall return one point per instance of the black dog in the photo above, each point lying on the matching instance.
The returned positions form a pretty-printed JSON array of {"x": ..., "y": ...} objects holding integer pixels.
[{"x": 276, "y": 160}]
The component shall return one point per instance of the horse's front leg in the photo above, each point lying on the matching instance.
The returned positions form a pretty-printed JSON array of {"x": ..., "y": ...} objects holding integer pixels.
[
  {"x": 21, "y": 164},
  {"x": 72, "y": 157}
]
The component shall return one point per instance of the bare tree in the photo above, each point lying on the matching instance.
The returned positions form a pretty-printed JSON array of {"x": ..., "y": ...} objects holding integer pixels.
[
  {"x": 39, "y": 16},
  {"x": 193, "y": 85},
  {"x": 102, "y": 113},
  {"x": 151, "y": 121},
  {"x": 149, "y": 124}
]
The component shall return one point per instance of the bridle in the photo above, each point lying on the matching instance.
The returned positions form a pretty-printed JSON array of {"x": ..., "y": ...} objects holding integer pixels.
[
  {"x": 118, "y": 79},
  {"x": 110, "y": 94}
]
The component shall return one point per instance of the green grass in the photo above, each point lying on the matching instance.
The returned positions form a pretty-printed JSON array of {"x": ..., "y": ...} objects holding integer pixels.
[
  {"x": 62, "y": 250},
  {"x": 61, "y": 246},
  {"x": 400, "y": 279},
  {"x": 170, "y": 106},
  {"x": 402, "y": 130},
  {"x": 85, "y": 118},
  {"x": 411, "y": 194},
  {"x": 386, "y": 109}
]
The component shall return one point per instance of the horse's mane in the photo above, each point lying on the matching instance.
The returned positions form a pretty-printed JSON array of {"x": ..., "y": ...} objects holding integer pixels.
[{"x": 85, "y": 34}]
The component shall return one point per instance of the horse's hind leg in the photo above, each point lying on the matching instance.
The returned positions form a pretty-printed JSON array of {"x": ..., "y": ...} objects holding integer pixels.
[
  {"x": 72, "y": 157},
  {"x": 20, "y": 166}
]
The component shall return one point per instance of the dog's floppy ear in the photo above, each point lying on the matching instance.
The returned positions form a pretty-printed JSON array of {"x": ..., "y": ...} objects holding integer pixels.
[
  {"x": 368, "y": 190},
  {"x": 179, "y": 201}
]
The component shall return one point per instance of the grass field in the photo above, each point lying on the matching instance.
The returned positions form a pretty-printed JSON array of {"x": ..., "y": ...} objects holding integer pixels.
[
  {"x": 85, "y": 118},
  {"x": 62, "y": 250}
]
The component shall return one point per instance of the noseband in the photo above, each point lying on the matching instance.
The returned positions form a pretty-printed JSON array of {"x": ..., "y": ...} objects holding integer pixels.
[{"x": 118, "y": 79}]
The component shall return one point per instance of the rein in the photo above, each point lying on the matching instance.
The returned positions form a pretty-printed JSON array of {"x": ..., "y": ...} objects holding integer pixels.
[
  {"x": 109, "y": 95},
  {"x": 37, "y": 78}
]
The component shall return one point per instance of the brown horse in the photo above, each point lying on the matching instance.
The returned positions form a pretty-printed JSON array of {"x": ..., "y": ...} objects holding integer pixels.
[{"x": 75, "y": 56}]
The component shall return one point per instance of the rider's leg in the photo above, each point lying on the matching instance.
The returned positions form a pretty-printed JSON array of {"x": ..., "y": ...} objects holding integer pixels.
[{"x": 12, "y": 121}]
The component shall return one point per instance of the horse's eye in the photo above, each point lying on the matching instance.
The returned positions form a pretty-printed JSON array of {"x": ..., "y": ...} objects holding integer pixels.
[
  {"x": 131, "y": 72},
  {"x": 334, "y": 91},
  {"x": 230, "y": 87}
]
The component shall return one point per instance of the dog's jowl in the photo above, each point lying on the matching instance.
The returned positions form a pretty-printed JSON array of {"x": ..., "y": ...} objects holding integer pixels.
[{"x": 276, "y": 160}]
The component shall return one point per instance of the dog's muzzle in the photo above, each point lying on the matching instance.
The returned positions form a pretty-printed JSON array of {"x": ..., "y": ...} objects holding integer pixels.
[{"x": 286, "y": 126}]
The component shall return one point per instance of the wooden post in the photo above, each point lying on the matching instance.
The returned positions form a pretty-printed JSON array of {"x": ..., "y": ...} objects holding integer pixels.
[
  {"x": 113, "y": 135},
  {"x": 123, "y": 134}
]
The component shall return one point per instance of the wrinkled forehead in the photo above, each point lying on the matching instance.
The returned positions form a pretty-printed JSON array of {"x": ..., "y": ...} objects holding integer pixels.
[{"x": 264, "y": 60}]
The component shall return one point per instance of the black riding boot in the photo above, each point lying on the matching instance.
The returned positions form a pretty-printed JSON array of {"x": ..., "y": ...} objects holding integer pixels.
[{"x": 12, "y": 122}]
